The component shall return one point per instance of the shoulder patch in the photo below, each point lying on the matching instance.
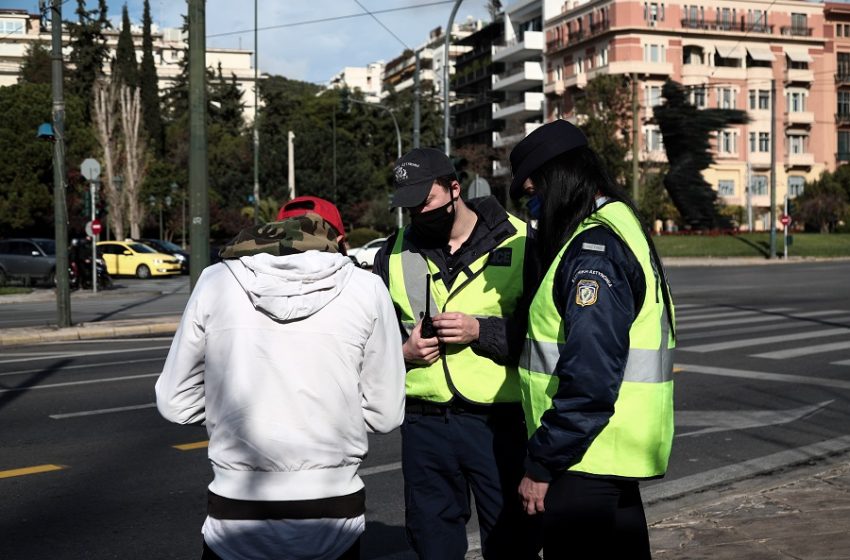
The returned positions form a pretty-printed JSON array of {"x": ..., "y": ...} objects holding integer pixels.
[
  {"x": 593, "y": 247},
  {"x": 587, "y": 291},
  {"x": 500, "y": 257}
]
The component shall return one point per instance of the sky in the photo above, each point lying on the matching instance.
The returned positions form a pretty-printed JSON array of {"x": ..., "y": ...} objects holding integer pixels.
[{"x": 312, "y": 52}]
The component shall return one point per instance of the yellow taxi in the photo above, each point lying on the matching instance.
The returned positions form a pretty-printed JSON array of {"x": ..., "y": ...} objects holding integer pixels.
[{"x": 132, "y": 258}]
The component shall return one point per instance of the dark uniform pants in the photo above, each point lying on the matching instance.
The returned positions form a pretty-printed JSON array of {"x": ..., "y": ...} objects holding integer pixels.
[{"x": 444, "y": 455}]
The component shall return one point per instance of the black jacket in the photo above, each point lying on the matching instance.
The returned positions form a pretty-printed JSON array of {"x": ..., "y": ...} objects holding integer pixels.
[
  {"x": 499, "y": 339},
  {"x": 593, "y": 359}
]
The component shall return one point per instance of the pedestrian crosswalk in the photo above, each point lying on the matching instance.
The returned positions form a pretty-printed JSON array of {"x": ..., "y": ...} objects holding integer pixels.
[{"x": 770, "y": 333}]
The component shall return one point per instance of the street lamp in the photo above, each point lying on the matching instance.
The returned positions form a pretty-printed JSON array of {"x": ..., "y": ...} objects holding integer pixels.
[{"x": 446, "y": 112}]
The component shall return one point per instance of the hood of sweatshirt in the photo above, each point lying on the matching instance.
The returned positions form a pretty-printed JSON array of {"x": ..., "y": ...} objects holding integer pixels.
[{"x": 292, "y": 287}]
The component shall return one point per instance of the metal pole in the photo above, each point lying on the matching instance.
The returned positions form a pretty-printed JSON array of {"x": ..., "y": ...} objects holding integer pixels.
[
  {"x": 333, "y": 118},
  {"x": 635, "y": 137},
  {"x": 772, "y": 170},
  {"x": 198, "y": 170},
  {"x": 160, "y": 219},
  {"x": 60, "y": 210},
  {"x": 93, "y": 190},
  {"x": 785, "y": 230},
  {"x": 183, "y": 242},
  {"x": 291, "y": 163},
  {"x": 416, "y": 99},
  {"x": 749, "y": 192},
  {"x": 446, "y": 111},
  {"x": 398, "y": 150},
  {"x": 256, "y": 130}
]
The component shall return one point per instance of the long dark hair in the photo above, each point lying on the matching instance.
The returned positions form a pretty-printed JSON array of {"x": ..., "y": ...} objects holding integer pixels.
[{"x": 569, "y": 184}]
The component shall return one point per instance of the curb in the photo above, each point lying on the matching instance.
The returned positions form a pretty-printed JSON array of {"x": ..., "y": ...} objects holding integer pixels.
[{"x": 90, "y": 331}]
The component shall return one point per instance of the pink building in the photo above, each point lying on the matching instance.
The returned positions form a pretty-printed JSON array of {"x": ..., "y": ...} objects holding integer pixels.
[{"x": 728, "y": 54}]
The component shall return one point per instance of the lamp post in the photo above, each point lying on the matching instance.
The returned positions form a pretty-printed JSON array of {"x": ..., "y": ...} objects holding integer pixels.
[
  {"x": 446, "y": 112},
  {"x": 174, "y": 190}
]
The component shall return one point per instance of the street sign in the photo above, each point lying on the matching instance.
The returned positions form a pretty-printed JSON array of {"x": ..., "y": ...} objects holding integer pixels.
[
  {"x": 90, "y": 169},
  {"x": 785, "y": 219},
  {"x": 96, "y": 227}
]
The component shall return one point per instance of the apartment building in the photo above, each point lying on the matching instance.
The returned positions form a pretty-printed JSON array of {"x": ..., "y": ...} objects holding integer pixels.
[
  {"x": 19, "y": 29},
  {"x": 837, "y": 33},
  {"x": 472, "y": 83},
  {"x": 728, "y": 54},
  {"x": 520, "y": 82},
  {"x": 398, "y": 72},
  {"x": 368, "y": 79}
]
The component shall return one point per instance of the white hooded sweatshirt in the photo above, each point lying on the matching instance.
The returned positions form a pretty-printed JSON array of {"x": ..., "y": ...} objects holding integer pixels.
[{"x": 290, "y": 361}]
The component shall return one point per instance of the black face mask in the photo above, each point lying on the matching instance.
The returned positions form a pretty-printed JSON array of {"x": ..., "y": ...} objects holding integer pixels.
[{"x": 434, "y": 226}]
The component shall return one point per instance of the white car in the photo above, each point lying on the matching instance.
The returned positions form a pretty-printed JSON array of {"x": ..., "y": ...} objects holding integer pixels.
[{"x": 365, "y": 255}]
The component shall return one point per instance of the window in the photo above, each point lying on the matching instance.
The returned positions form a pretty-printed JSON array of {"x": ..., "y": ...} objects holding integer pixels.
[
  {"x": 653, "y": 53},
  {"x": 692, "y": 55},
  {"x": 757, "y": 21},
  {"x": 796, "y": 144},
  {"x": 844, "y": 65},
  {"x": 602, "y": 57},
  {"x": 796, "y": 184},
  {"x": 726, "y": 187},
  {"x": 759, "y": 99},
  {"x": 799, "y": 25},
  {"x": 653, "y": 96},
  {"x": 697, "y": 96},
  {"x": 653, "y": 12},
  {"x": 796, "y": 101},
  {"x": 653, "y": 141},
  {"x": 759, "y": 142},
  {"x": 726, "y": 98},
  {"x": 578, "y": 67},
  {"x": 694, "y": 17},
  {"x": 758, "y": 185},
  {"x": 11, "y": 27},
  {"x": 844, "y": 103},
  {"x": 726, "y": 142},
  {"x": 843, "y": 145},
  {"x": 726, "y": 18}
]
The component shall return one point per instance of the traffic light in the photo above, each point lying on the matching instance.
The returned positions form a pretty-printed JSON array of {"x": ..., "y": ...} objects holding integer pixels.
[
  {"x": 345, "y": 100},
  {"x": 87, "y": 206},
  {"x": 102, "y": 208}
]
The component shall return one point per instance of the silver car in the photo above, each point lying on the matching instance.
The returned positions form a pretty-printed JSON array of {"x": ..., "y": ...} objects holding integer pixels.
[{"x": 30, "y": 260}]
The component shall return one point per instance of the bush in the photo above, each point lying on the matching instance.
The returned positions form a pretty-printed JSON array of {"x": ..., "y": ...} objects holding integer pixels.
[{"x": 361, "y": 236}]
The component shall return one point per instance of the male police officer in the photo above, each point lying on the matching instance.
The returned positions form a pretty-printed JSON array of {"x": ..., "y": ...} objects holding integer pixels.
[{"x": 463, "y": 262}]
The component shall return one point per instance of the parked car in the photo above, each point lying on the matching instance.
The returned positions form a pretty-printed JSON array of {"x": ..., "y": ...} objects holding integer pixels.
[
  {"x": 133, "y": 258},
  {"x": 168, "y": 248},
  {"x": 365, "y": 255},
  {"x": 28, "y": 260}
]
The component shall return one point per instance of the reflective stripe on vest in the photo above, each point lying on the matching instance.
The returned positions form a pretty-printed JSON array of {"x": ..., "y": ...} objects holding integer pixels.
[
  {"x": 482, "y": 290},
  {"x": 636, "y": 441}
]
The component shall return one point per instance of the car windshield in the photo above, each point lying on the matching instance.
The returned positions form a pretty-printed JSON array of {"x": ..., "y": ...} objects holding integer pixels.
[
  {"x": 169, "y": 246},
  {"x": 139, "y": 248},
  {"x": 48, "y": 246}
]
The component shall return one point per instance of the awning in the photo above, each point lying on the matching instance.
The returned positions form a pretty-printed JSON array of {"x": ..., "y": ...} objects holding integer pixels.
[
  {"x": 730, "y": 51},
  {"x": 798, "y": 56},
  {"x": 760, "y": 54}
]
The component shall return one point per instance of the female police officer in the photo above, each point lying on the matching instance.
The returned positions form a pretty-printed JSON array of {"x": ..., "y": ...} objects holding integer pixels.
[{"x": 596, "y": 370}]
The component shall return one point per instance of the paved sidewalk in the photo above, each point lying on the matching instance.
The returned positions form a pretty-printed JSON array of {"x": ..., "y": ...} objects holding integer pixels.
[{"x": 166, "y": 325}]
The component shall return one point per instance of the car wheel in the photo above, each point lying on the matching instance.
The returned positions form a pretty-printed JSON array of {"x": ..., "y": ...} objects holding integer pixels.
[
  {"x": 143, "y": 272},
  {"x": 51, "y": 279}
]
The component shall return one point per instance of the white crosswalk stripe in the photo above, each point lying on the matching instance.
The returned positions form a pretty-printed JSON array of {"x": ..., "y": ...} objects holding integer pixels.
[
  {"x": 805, "y": 351},
  {"x": 832, "y": 321},
  {"x": 764, "y": 319},
  {"x": 730, "y": 344},
  {"x": 729, "y": 315}
]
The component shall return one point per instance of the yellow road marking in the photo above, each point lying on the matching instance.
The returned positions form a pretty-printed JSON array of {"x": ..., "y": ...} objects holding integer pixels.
[
  {"x": 677, "y": 370},
  {"x": 30, "y": 470},
  {"x": 191, "y": 446}
]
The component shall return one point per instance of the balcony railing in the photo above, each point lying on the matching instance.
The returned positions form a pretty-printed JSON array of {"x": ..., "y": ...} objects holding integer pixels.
[
  {"x": 842, "y": 156},
  {"x": 727, "y": 25},
  {"x": 842, "y": 77},
  {"x": 796, "y": 31},
  {"x": 842, "y": 118}
]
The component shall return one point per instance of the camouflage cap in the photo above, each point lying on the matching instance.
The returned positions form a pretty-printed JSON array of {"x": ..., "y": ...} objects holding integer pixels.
[{"x": 293, "y": 235}]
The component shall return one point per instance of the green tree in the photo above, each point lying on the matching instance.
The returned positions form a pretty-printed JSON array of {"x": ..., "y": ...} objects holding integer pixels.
[
  {"x": 149, "y": 82},
  {"x": 606, "y": 104},
  {"x": 226, "y": 99},
  {"x": 88, "y": 51},
  {"x": 824, "y": 202},
  {"x": 125, "y": 67},
  {"x": 36, "y": 67}
]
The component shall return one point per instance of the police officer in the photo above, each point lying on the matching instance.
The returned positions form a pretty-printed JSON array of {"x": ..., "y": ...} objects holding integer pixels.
[
  {"x": 596, "y": 370},
  {"x": 463, "y": 265}
]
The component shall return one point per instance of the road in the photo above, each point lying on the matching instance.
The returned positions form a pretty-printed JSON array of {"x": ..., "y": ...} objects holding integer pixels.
[{"x": 762, "y": 371}]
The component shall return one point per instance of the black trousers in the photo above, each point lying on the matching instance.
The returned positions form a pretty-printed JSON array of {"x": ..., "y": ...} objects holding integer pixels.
[
  {"x": 352, "y": 553},
  {"x": 444, "y": 457},
  {"x": 590, "y": 518}
]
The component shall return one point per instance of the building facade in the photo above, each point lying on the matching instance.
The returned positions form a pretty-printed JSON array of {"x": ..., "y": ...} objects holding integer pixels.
[
  {"x": 20, "y": 29},
  {"x": 367, "y": 79},
  {"x": 771, "y": 58}
]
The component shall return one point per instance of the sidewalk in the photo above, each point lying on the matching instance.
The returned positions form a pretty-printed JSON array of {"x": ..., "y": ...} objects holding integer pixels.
[{"x": 165, "y": 325}]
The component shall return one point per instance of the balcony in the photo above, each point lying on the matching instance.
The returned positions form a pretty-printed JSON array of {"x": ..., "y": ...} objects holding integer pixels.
[
  {"x": 699, "y": 71},
  {"x": 806, "y": 118},
  {"x": 555, "y": 87},
  {"x": 576, "y": 81},
  {"x": 796, "y": 31},
  {"x": 727, "y": 25},
  {"x": 759, "y": 160},
  {"x": 506, "y": 139},
  {"x": 800, "y": 160},
  {"x": 530, "y": 105},
  {"x": 842, "y": 78},
  {"x": 842, "y": 118},
  {"x": 796, "y": 75},
  {"x": 526, "y": 76},
  {"x": 650, "y": 68},
  {"x": 530, "y": 46},
  {"x": 472, "y": 128},
  {"x": 464, "y": 78}
]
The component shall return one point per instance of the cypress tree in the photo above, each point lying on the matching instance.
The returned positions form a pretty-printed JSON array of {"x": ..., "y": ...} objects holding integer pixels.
[
  {"x": 149, "y": 83},
  {"x": 88, "y": 51},
  {"x": 125, "y": 68}
]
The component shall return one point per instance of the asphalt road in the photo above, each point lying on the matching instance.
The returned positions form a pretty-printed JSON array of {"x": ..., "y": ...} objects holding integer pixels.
[{"x": 762, "y": 371}]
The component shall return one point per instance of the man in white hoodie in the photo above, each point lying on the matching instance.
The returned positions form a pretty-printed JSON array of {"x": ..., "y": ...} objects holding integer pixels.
[{"x": 289, "y": 354}]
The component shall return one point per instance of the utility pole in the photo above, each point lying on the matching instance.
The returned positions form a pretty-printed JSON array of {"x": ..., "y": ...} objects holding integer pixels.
[
  {"x": 60, "y": 210},
  {"x": 199, "y": 235},
  {"x": 333, "y": 121},
  {"x": 635, "y": 137},
  {"x": 772, "y": 170},
  {"x": 256, "y": 130},
  {"x": 290, "y": 150},
  {"x": 416, "y": 100},
  {"x": 446, "y": 87}
]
